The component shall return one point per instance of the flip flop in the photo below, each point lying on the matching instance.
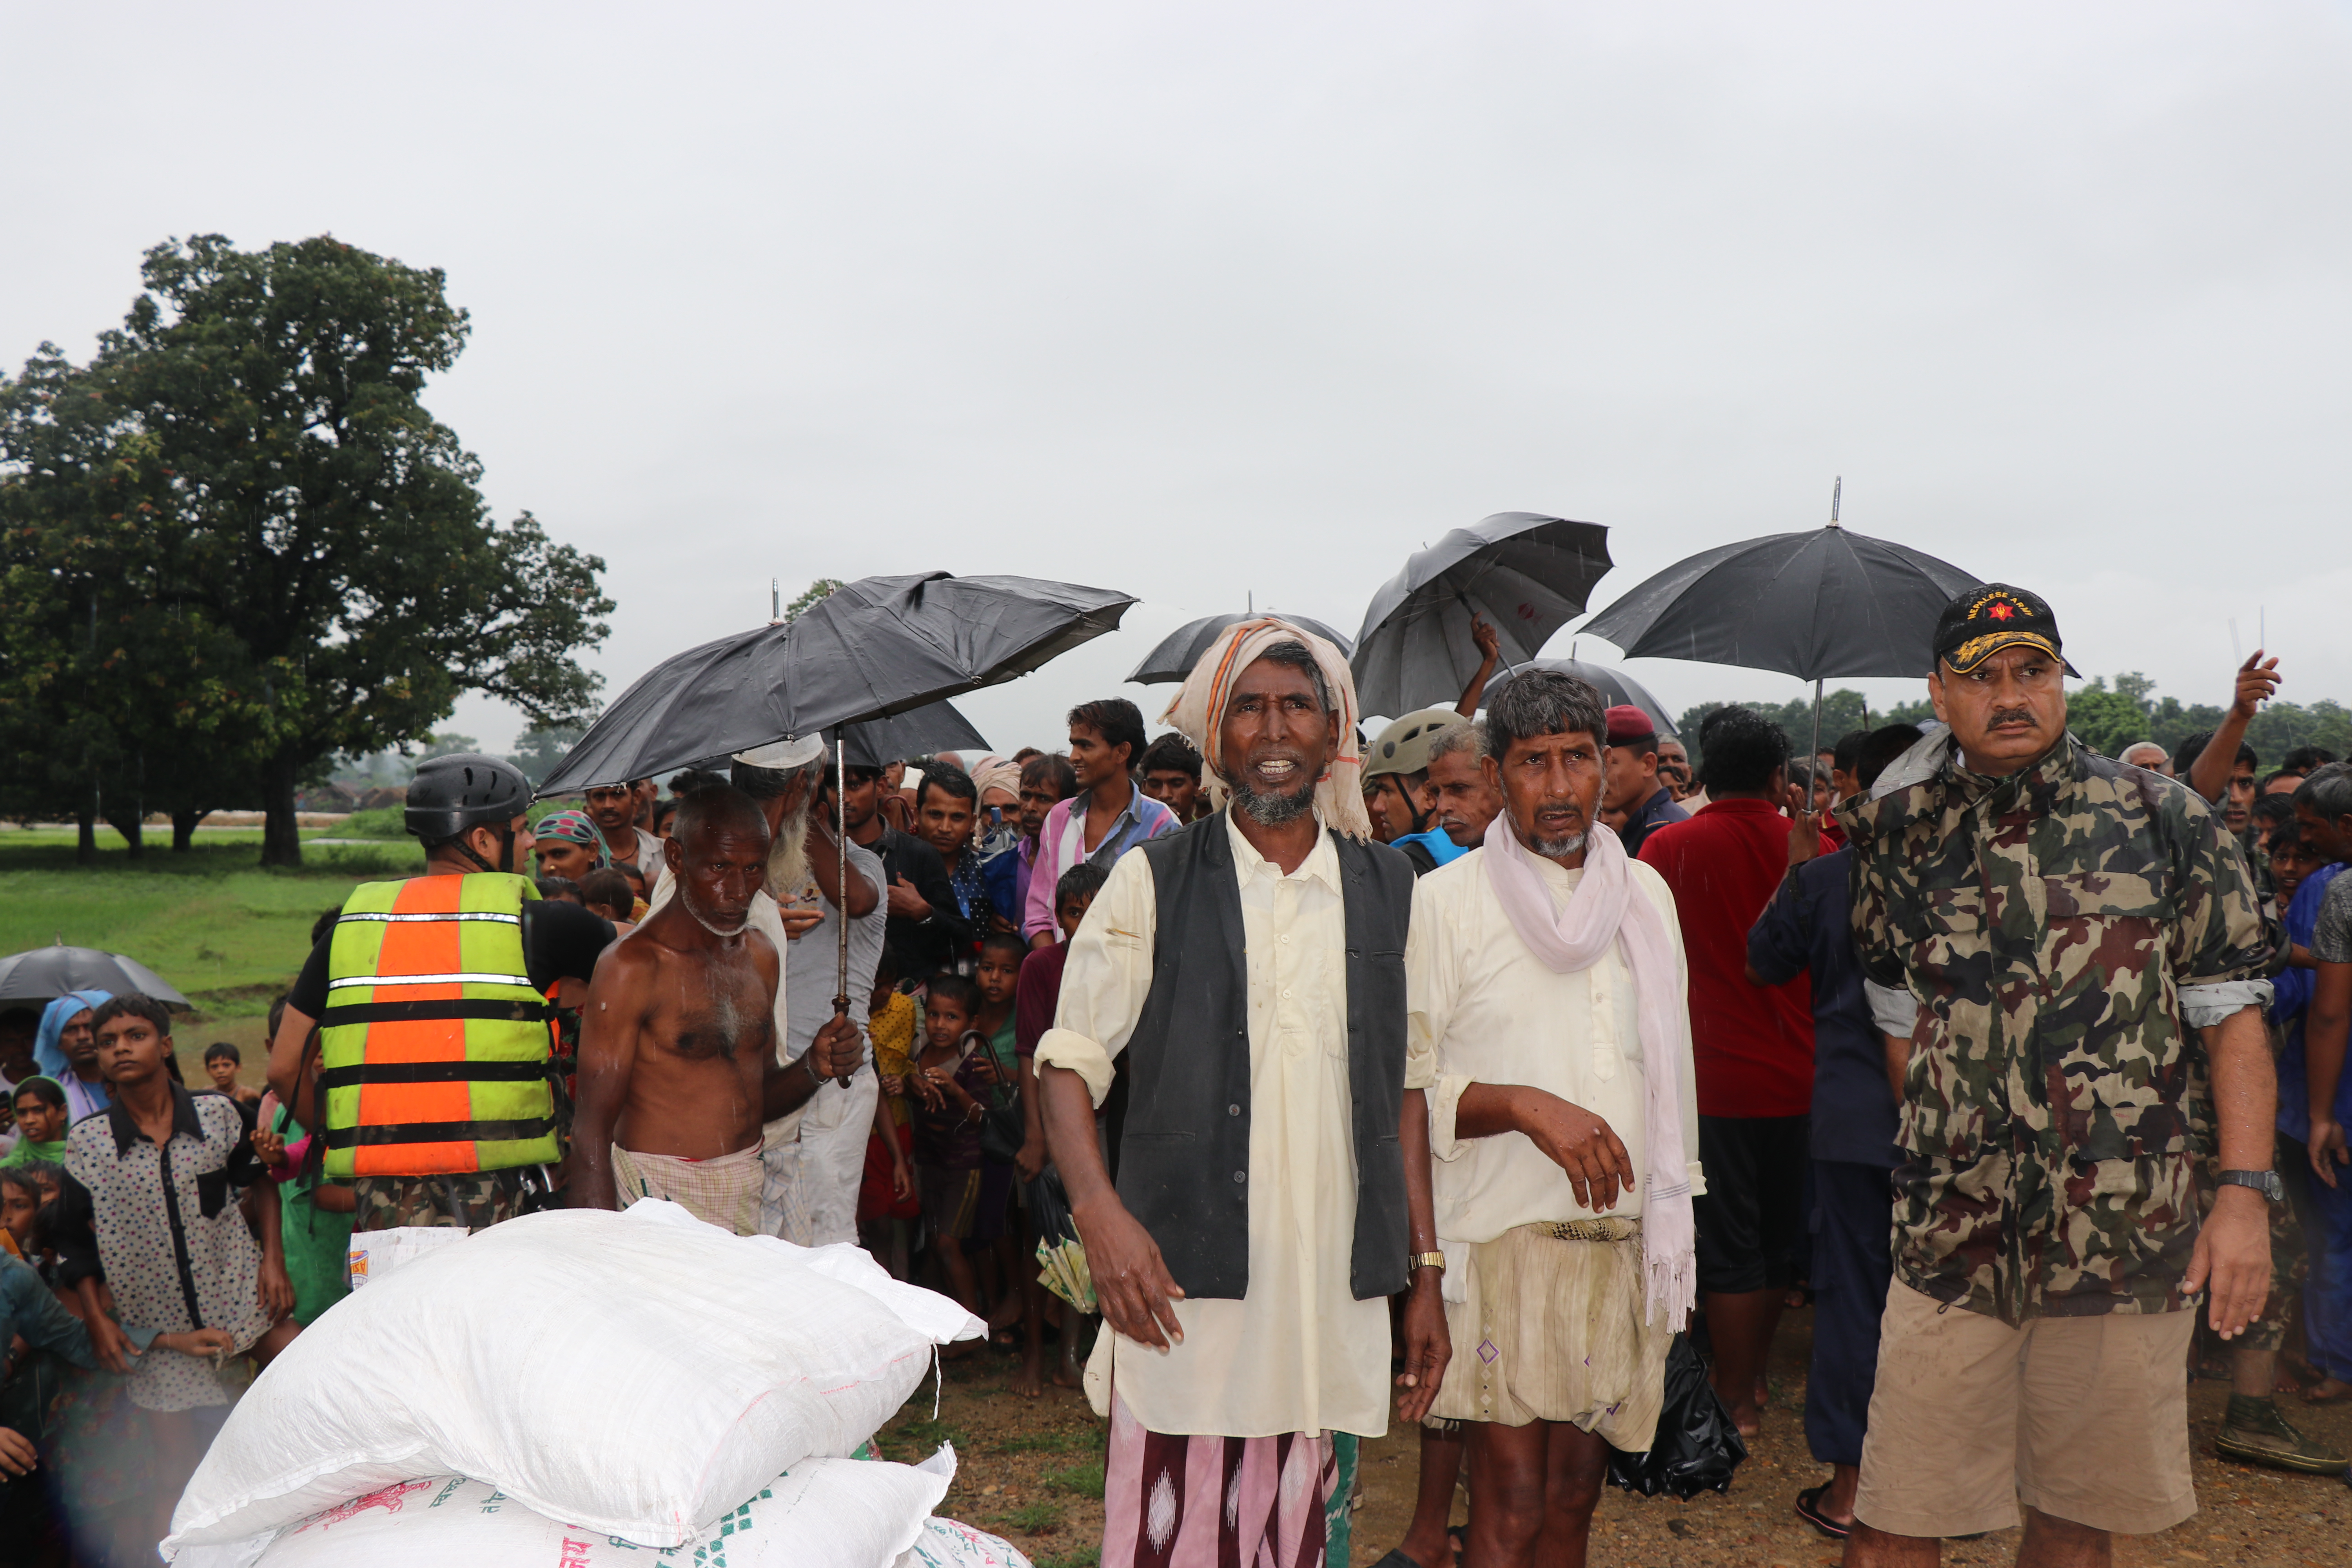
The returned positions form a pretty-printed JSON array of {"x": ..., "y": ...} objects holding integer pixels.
[{"x": 1809, "y": 1509}]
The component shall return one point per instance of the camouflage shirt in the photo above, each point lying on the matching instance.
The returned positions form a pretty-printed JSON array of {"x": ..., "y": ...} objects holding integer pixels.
[{"x": 2045, "y": 922}]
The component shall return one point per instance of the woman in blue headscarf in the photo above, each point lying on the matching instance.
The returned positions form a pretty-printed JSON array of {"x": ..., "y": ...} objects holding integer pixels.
[{"x": 72, "y": 1012}]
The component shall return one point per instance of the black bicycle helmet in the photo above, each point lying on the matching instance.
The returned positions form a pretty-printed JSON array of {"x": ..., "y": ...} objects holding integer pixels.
[{"x": 451, "y": 794}]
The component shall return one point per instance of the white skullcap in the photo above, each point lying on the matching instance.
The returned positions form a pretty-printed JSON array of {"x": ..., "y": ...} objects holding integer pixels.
[{"x": 792, "y": 752}]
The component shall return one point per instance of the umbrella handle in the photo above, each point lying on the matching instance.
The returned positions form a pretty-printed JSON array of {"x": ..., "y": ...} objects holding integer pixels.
[{"x": 841, "y": 843}]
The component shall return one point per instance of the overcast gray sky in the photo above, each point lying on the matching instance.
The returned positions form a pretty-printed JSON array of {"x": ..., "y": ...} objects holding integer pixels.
[{"x": 1195, "y": 300}]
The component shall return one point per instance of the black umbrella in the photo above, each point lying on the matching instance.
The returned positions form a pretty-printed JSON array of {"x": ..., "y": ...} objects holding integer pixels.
[
  {"x": 878, "y": 742},
  {"x": 918, "y": 732},
  {"x": 1181, "y": 650},
  {"x": 869, "y": 649},
  {"x": 1527, "y": 574},
  {"x": 46, "y": 974},
  {"x": 1826, "y": 603},
  {"x": 1614, "y": 685}
]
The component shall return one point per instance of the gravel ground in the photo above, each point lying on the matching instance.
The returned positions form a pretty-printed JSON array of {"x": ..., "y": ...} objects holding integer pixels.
[{"x": 1032, "y": 1472}]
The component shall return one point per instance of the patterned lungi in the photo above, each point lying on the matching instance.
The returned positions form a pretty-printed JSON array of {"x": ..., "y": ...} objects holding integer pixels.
[
  {"x": 1213, "y": 1502},
  {"x": 724, "y": 1192}
]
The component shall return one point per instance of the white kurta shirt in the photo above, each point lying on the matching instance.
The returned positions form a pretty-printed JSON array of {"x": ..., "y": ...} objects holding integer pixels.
[
  {"x": 1482, "y": 1009},
  {"x": 1298, "y": 1352}
]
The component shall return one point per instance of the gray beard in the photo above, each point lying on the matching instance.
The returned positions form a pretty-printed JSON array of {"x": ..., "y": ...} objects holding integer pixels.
[
  {"x": 788, "y": 865},
  {"x": 1272, "y": 809},
  {"x": 685, "y": 903},
  {"x": 1553, "y": 849}
]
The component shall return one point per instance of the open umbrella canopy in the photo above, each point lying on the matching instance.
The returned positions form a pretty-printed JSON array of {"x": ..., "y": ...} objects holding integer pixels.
[
  {"x": 1817, "y": 604},
  {"x": 1181, "y": 650},
  {"x": 869, "y": 649},
  {"x": 1526, "y": 573},
  {"x": 918, "y": 732},
  {"x": 46, "y": 974},
  {"x": 878, "y": 742},
  {"x": 1615, "y": 686}
]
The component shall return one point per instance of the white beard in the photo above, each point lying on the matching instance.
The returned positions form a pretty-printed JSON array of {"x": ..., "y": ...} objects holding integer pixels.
[{"x": 788, "y": 864}]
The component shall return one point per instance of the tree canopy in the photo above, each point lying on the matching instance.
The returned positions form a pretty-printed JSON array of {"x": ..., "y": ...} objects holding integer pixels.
[{"x": 235, "y": 543}]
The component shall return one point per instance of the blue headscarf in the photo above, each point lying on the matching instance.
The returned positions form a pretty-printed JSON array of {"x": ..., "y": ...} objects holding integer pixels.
[{"x": 54, "y": 1019}]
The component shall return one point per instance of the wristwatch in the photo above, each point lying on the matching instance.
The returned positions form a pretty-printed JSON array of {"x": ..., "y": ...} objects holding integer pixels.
[
  {"x": 2267, "y": 1182},
  {"x": 1425, "y": 1260}
]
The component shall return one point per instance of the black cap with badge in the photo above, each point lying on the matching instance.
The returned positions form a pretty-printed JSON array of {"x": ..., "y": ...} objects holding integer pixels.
[{"x": 1984, "y": 620}]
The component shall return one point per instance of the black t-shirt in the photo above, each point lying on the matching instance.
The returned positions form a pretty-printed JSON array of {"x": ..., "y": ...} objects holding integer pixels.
[
  {"x": 560, "y": 942},
  {"x": 930, "y": 945}
]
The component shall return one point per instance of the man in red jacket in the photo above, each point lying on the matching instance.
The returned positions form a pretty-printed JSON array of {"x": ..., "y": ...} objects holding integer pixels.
[{"x": 1753, "y": 1046}]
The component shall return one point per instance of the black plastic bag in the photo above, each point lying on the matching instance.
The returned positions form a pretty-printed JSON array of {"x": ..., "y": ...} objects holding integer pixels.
[{"x": 1696, "y": 1448}]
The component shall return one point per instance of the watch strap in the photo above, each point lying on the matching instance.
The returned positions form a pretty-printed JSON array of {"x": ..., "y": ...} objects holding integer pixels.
[
  {"x": 1425, "y": 1260},
  {"x": 2267, "y": 1182}
]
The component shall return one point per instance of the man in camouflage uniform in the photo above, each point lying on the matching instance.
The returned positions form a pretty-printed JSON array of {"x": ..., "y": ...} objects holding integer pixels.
[{"x": 2041, "y": 930}]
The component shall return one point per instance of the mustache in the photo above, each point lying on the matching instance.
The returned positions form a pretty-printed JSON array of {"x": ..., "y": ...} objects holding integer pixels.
[{"x": 2004, "y": 715}]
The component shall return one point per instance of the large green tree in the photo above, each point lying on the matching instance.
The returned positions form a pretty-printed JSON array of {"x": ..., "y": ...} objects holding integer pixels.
[{"x": 248, "y": 458}]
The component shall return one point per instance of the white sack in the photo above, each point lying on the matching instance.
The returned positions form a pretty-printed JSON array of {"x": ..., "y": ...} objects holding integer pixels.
[
  {"x": 821, "y": 1513},
  {"x": 949, "y": 1543},
  {"x": 638, "y": 1373},
  {"x": 376, "y": 1253}
]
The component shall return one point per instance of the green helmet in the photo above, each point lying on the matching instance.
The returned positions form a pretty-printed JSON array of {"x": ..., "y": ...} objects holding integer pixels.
[{"x": 1403, "y": 746}]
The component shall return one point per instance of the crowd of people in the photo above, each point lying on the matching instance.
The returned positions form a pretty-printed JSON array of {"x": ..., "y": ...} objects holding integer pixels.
[{"x": 1450, "y": 1074}]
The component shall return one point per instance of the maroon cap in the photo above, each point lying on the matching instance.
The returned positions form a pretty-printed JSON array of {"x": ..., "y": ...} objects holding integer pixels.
[{"x": 1628, "y": 723}]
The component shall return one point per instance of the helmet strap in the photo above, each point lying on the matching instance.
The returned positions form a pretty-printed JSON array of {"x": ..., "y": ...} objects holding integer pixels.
[{"x": 506, "y": 852}]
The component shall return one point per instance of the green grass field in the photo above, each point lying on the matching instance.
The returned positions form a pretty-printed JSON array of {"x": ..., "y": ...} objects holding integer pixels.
[{"x": 226, "y": 931}]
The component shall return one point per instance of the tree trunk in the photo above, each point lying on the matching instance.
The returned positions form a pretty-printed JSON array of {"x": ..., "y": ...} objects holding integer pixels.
[
  {"x": 86, "y": 843},
  {"x": 281, "y": 845},
  {"x": 129, "y": 826},
  {"x": 184, "y": 829}
]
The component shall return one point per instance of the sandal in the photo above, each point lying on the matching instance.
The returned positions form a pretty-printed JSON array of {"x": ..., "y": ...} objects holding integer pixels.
[{"x": 1809, "y": 1508}]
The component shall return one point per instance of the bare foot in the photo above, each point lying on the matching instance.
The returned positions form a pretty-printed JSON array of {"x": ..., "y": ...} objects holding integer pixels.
[
  {"x": 1066, "y": 1375},
  {"x": 1027, "y": 1383},
  {"x": 1747, "y": 1418},
  {"x": 2327, "y": 1391},
  {"x": 1432, "y": 1551}
]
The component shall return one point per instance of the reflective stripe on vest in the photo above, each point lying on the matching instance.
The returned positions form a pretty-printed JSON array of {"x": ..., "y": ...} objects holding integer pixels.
[{"x": 433, "y": 1046}]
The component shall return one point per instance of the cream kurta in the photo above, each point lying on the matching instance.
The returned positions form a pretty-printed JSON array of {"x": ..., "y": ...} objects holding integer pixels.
[
  {"x": 1298, "y": 1352},
  {"x": 1484, "y": 1009}
]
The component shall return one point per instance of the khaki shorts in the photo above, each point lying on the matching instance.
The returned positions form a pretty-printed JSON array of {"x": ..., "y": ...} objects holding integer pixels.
[{"x": 2085, "y": 1419}]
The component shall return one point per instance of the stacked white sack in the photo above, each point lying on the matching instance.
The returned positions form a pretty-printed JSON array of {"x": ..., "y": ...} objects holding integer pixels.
[
  {"x": 946, "y": 1543},
  {"x": 821, "y": 1513},
  {"x": 638, "y": 1374}
]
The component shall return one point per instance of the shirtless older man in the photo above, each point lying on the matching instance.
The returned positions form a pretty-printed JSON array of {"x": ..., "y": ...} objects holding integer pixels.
[{"x": 678, "y": 1045}]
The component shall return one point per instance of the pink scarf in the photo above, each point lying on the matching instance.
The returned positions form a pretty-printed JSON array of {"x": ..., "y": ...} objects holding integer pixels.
[{"x": 1606, "y": 907}]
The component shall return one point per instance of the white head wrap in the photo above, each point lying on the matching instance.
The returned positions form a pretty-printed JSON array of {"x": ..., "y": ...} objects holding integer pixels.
[{"x": 1199, "y": 711}]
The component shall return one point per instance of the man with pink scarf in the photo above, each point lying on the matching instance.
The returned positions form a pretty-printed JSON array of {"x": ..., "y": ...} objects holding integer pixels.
[{"x": 1546, "y": 1014}]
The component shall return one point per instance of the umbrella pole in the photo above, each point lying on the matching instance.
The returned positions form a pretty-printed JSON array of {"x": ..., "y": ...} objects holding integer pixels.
[
  {"x": 1813, "y": 758},
  {"x": 841, "y": 846}
]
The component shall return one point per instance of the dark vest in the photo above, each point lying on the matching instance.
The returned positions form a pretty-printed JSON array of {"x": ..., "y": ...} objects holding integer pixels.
[{"x": 1183, "y": 1142}]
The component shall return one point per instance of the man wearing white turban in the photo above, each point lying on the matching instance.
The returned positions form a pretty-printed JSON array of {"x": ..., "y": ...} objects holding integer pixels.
[{"x": 1235, "y": 1005}]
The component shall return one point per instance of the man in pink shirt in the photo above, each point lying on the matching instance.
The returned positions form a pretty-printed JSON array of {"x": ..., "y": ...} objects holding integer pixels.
[{"x": 1109, "y": 815}]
